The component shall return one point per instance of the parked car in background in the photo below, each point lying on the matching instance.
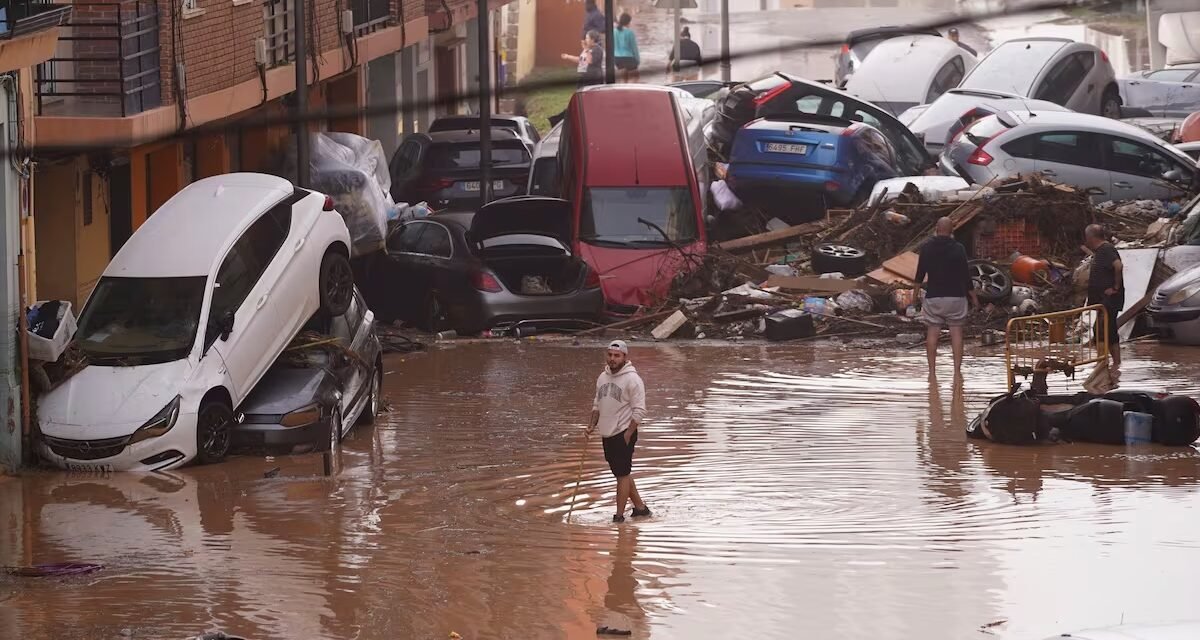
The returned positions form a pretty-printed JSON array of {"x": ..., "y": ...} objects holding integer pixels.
[
  {"x": 707, "y": 89},
  {"x": 908, "y": 71},
  {"x": 628, "y": 166},
  {"x": 1192, "y": 149},
  {"x": 443, "y": 168},
  {"x": 808, "y": 162},
  {"x": 1075, "y": 75},
  {"x": 1174, "y": 309},
  {"x": 1172, "y": 92},
  {"x": 310, "y": 400},
  {"x": 784, "y": 95},
  {"x": 519, "y": 125},
  {"x": 936, "y": 124},
  {"x": 1162, "y": 631},
  {"x": 862, "y": 42},
  {"x": 511, "y": 261},
  {"x": 543, "y": 172},
  {"x": 1113, "y": 160},
  {"x": 188, "y": 316}
]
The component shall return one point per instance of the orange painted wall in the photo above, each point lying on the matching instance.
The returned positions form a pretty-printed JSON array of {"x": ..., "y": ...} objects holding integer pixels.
[{"x": 558, "y": 27}]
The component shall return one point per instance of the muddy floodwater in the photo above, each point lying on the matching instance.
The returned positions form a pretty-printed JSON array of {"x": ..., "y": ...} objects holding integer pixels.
[{"x": 798, "y": 492}]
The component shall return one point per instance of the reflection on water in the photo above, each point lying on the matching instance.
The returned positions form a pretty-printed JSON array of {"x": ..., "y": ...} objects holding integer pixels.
[{"x": 798, "y": 491}]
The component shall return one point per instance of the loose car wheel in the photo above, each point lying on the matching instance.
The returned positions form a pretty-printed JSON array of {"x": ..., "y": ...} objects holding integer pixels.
[
  {"x": 372, "y": 409},
  {"x": 1110, "y": 104},
  {"x": 991, "y": 283},
  {"x": 336, "y": 283},
  {"x": 835, "y": 258},
  {"x": 214, "y": 427}
]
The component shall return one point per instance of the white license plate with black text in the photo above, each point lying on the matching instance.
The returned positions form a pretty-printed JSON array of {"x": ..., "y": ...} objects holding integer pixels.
[
  {"x": 474, "y": 186},
  {"x": 89, "y": 468},
  {"x": 787, "y": 147}
]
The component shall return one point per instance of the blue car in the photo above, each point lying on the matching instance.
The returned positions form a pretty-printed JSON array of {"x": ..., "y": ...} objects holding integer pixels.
[{"x": 796, "y": 165}]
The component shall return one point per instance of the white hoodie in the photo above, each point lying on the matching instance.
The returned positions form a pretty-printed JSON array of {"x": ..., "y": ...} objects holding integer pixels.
[{"x": 620, "y": 398}]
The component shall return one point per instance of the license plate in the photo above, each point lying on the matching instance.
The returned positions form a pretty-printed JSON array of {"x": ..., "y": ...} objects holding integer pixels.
[
  {"x": 89, "y": 468},
  {"x": 784, "y": 147},
  {"x": 474, "y": 186}
]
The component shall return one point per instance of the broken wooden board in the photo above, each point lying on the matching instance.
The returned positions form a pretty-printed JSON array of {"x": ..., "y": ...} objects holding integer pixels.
[
  {"x": 810, "y": 283},
  {"x": 885, "y": 277},
  {"x": 748, "y": 313},
  {"x": 669, "y": 326},
  {"x": 771, "y": 237},
  {"x": 904, "y": 265}
]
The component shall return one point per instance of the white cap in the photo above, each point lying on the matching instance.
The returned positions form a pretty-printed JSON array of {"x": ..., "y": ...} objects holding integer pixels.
[{"x": 619, "y": 345}]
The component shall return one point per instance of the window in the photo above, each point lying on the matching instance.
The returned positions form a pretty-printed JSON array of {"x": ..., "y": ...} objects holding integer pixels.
[
  {"x": 245, "y": 264},
  {"x": 611, "y": 216},
  {"x": 1021, "y": 147},
  {"x": 1064, "y": 79},
  {"x": 404, "y": 239},
  {"x": 435, "y": 241},
  {"x": 279, "y": 18},
  {"x": 1067, "y": 148},
  {"x": 947, "y": 78},
  {"x": 1134, "y": 158},
  {"x": 545, "y": 177},
  {"x": 1171, "y": 75},
  {"x": 466, "y": 156},
  {"x": 132, "y": 321},
  {"x": 1013, "y": 66}
]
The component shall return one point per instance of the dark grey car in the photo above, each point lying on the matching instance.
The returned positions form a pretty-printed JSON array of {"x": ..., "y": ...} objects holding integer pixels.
[{"x": 308, "y": 392}]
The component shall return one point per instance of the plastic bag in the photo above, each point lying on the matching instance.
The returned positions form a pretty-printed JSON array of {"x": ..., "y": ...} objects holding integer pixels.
[
  {"x": 855, "y": 300},
  {"x": 724, "y": 196},
  {"x": 353, "y": 171}
]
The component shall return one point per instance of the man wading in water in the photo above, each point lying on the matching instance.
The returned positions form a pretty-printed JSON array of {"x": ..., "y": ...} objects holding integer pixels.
[{"x": 618, "y": 409}]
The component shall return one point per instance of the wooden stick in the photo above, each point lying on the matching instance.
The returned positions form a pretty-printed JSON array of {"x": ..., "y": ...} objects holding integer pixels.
[{"x": 579, "y": 474}]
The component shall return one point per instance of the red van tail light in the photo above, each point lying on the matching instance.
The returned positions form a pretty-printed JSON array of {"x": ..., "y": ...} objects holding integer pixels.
[
  {"x": 484, "y": 281},
  {"x": 328, "y": 204},
  {"x": 980, "y": 157},
  {"x": 764, "y": 98}
]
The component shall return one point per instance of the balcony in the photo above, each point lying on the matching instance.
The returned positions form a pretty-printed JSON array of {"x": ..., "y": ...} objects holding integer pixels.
[
  {"x": 370, "y": 15},
  {"x": 23, "y": 17},
  {"x": 107, "y": 63}
]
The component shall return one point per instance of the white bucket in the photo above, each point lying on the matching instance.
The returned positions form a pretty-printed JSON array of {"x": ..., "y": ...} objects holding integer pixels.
[{"x": 1138, "y": 427}]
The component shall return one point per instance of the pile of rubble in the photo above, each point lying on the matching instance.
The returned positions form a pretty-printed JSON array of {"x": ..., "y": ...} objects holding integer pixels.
[{"x": 852, "y": 274}]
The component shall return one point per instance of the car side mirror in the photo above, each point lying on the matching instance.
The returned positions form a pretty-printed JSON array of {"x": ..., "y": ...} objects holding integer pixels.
[
  {"x": 1173, "y": 175},
  {"x": 225, "y": 325}
]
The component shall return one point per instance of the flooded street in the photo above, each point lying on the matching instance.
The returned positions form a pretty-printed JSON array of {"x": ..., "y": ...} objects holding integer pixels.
[{"x": 798, "y": 491}]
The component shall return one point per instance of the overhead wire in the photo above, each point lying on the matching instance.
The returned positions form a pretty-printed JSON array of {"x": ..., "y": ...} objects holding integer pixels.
[{"x": 531, "y": 86}]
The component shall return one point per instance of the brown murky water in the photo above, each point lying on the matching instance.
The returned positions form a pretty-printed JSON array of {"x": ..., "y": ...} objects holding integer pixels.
[{"x": 799, "y": 491}]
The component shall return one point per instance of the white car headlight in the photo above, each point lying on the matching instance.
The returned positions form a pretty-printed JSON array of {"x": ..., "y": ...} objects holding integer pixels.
[
  {"x": 159, "y": 424},
  {"x": 1184, "y": 294}
]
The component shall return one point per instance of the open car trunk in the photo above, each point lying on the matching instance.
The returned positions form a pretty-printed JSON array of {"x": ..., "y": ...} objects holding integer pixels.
[{"x": 533, "y": 270}]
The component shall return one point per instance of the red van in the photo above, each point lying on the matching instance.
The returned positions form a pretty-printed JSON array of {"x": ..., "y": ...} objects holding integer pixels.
[{"x": 625, "y": 165}]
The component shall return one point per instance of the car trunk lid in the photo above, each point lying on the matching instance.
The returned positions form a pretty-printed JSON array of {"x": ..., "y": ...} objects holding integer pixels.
[{"x": 525, "y": 242}]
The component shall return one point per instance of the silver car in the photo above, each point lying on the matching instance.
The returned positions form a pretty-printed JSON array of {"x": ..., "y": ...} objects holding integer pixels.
[
  {"x": 1171, "y": 92},
  {"x": 1111, "y": 159},
  {"x": 1174, "y": 310},
  {"x": 935, "y": 124},
  {"x": 1072, "y": 74},
  {"x": 860, "y": 43}
]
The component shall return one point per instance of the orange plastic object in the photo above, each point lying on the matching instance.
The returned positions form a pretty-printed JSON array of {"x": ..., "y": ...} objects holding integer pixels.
[
  {"x": 1025, "y": 268},
  {"x": 1189, "y": 131}
]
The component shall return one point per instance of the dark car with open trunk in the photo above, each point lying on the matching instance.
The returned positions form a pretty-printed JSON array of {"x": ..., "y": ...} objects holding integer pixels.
[{"x": 509, "y": 262}]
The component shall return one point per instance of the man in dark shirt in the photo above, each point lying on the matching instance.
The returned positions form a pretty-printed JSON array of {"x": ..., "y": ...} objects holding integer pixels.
[
  {"x": 944, "y": 260},
  {"x": 1106, "y": 285},
  {"x": 953, "y": 34}
]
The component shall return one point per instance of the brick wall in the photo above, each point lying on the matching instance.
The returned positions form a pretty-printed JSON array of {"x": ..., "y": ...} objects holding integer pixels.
[{"x": 102, "y": 70}]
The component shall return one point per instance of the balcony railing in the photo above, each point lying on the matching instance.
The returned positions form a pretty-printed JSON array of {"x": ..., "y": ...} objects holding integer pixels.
[
  {"x": 22, "y": 17},
  {"x": 370, "y": 15},
  {"x": 108, "y": 62}
]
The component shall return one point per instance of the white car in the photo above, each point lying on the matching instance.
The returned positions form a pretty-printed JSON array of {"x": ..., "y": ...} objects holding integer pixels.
[
  {"x": 936, "y": 124},
  {"x": 907, "y": 71},
  {"x": 1164, "y": 631},
  {"x": 188, "y": 316},
  {"x": 1072, "y": 74}
]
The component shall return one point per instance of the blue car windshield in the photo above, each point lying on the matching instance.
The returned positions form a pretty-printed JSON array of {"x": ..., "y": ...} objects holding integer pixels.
[
  {"x": 611, "y": 215},
  {"x": 134, "y": 321}
]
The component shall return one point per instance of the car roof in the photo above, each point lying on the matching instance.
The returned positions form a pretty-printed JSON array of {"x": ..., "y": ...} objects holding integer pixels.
[
  {"x": 1090, "y": 123},
  {"x": 901, "y": 69},
  {"x": 191, "y": 231},
  {"x": 1167, "y": 631},
  {"x": 875, "y": 33},
  {"x": 461, "y": 219},
  {"x": 470, "y": 135},
  {"x": 633, "y": 136}
]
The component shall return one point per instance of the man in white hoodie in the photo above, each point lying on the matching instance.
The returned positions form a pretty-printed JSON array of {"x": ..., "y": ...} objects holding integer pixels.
[{"x": 618, "y": 409}]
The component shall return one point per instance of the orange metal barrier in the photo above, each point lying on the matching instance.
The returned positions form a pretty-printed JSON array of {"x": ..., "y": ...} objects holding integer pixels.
[{"x": 1061, "y": 337}]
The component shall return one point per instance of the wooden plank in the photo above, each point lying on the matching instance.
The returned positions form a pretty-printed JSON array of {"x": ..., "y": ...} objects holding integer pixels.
[
  {"x": 809, "y": 283},
  {"x": 771, "y": 237},
  {"x": 885, "y": 277},
  {"x": 738, "y": 314},
  {"x": 904, "y": 265},
  {"x": 669, "y": 326}
]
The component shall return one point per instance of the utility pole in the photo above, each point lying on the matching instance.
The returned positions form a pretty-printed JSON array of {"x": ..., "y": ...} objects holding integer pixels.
[
  {"x": 301, "y": 95},
  {"x": 678, "y": 16},
  {"x": 485, "y": 104},
  {"x": 610, "y": 65},
  {"x": 726, "y": 71}
]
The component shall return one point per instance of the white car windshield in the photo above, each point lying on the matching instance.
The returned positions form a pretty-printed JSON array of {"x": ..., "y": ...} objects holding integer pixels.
[
  {"x": 1012, "y": 67},
  {"x": 611, "y": 216},
  {"x": 133, "y": 321}
]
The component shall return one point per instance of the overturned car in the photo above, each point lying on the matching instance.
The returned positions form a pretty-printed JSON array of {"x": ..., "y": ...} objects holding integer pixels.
[{"x": 1116, "y": 417}]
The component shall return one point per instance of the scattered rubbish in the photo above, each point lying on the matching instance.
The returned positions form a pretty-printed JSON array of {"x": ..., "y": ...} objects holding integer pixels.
[
  {"x": 829, "y": 258},
  {"x": 809, "y": 284},
  {"x": 51, "y": 328},
  {"x": 1029, "y": 270},
  {"x": 991, "y": 337},
  {"x": 789, "y": 324},
  {"x": 215, "y": 635},
  {"x": 1138, "y": 427},
  {"x": 613, "y": 631},
  {"x": 855, "y": 300},
  {"x": 1019, "y": 295},
  {"x": 535, "y": 285},
  {"x": 724, "y": 196},
  {"x": 909, "y": 338},
  {"x": 820, "y": 306},
  {"x": 1027, "y": 307},
  {"x": 54, "y": 570},
  {"x": 449, "y": 334},
  {"x": 669, "y": 326},
  {"x": 783, "y": 270},
  {"x": 273, "y": 473},
  {"x": 898, "y": 219}
]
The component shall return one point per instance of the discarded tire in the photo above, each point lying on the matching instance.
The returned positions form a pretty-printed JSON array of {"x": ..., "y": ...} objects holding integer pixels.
[
  {"x": 839, "y": 258},
  {"x": 991, "y": 283}
]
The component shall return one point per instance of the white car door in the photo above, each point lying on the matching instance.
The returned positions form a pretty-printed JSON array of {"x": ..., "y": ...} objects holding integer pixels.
[
  {"x": 243, "y": 287},
  {"x": 1139, "y": 171}
]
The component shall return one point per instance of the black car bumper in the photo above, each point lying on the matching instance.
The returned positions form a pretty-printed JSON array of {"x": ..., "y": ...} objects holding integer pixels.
[{"x": 275, "y": 438}]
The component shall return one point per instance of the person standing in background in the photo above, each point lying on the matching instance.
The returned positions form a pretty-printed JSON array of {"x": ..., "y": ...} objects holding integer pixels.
[
  {"x": 625, "y": 50},
  {"x": 590, "y": 61},
  {"x": 686, "y": 65},
  {"x": 593, "y": 20}
]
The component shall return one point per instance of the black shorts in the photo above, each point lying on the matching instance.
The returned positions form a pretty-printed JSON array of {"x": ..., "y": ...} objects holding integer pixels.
[
  {"x": 624, "y": 63},
  {"x": 1112, "y": 308},
  {"x": 618, "y": 454}
]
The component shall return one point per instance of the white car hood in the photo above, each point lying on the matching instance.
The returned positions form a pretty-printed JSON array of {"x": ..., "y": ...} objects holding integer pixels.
[{"x": 108, "y": 402}]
